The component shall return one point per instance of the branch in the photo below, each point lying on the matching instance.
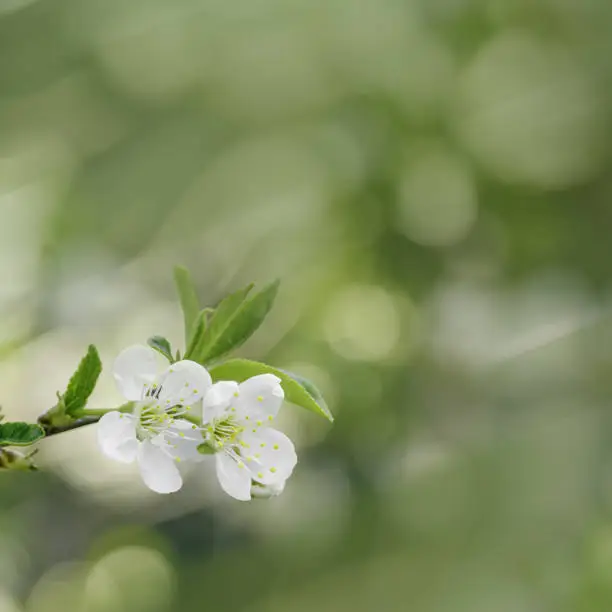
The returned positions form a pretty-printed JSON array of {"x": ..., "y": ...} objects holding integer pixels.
[{"x": 51, "y": 430}]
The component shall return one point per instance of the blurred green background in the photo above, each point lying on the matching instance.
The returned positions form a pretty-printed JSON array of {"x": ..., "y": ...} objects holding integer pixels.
[{"x": 431, "y": 180}]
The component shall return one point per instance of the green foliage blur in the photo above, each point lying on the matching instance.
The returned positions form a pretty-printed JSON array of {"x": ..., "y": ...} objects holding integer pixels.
[{"x": 431, "y": 181}]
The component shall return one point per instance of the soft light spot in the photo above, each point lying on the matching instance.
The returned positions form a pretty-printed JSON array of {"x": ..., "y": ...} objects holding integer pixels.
[
  {"x": 134, "y": 578},
  {"x": 436, "y": 201},
  {"x": 532, "y": 113},
  {"x": 363, "y": 323}
]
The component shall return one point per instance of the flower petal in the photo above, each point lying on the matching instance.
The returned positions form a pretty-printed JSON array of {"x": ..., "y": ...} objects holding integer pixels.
[
  {"x": 259, "y": 399},
  {"x": 184, "y": 382},
  {"x": 117, "y": 436},
  {"x": 158, "y": 470},
  {"x": 183, "y": 439},
  {"x": 218, "y": 399},
  {"x": 234, "y": 479},
  {"x": 269, "y": 455},
  {"x": 135, "y": 367}
]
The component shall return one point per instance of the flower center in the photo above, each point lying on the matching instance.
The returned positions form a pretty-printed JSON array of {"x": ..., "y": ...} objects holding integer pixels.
[
  {"x": 223, "y": 432},
  {"x": 152, "y": 420}
]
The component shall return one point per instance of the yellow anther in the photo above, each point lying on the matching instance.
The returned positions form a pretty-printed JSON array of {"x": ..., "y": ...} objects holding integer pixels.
[
  {"x": 263, "y": 445},
  {"x": 254, "y": 431},
  {"x": 182, "y": 400},
  {"x": 233, "y": 409},
  {"x": 257, "y": 455},
  {"x": 249, "y": 458},
  {"x": 181, "y": 434},
  {"x": 236, "y": 394},
  {"x": 195, "y": 391},
  {"x": 247, "y": 417},
  {"x": 240, "y": 464},
  {"x": 194, "y": 427},
  {"x": 260, "y": 398},
  {"x": 259, "y": 475},
  {"x": 259, "y": 423},
  {"x": 178, "y": 459},
  {"x": 270, "y": 417},
  {"x": 275, "y": 447},
  {"x": 273, "y": 470}
]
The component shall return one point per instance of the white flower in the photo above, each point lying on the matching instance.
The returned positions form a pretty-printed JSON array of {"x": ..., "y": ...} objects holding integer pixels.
[
  {"x": 237, "y": 420},
  {"x": 154, "y": 434}
]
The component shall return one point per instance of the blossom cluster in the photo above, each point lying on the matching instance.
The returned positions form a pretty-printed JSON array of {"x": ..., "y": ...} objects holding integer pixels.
[{"x": 178, "y": 415}]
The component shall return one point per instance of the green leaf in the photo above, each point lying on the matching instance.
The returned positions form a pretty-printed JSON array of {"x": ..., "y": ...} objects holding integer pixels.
[
  {"x": 20, "y": 434},
  {"x": 161, "y": 345},
  {"x": 312, "y": 390},
  {"x": 235, "y": 320},
  {"x": 197, "y": 335},
  {"x": 295, "y": 392},
  {"x": 83, "y": 382},
  {"x": 188, "y": 297}
]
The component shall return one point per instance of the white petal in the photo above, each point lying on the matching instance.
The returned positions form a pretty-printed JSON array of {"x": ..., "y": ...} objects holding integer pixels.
[
  {"x": 269, "y": 454},
  {"x": 184, "y": 382},
  {"x": 259, "y": 399},
  {"x": 158, "y": 470},
  {"x": 183, "y": 441},
  {"x": 135, "y": 367},
  {"x": 234, "y": 479},
  {"x": 218, "y": 399},
  {"x": 117, "y": 436}
]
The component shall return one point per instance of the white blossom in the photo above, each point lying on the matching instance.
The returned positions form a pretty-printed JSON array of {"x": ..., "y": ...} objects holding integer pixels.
[
  {"x": 155, "y": 433},
  {"x": 237, "y": 422}
]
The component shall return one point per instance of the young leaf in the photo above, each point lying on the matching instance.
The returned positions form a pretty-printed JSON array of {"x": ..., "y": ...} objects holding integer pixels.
[
  {"x": 161, "y": 345},
  {"x": 83, "y": 382},
  {"x": 188, "y": 298},
  {"x": 20, "y": 434},
  {"x": 295, "y": 392},
  {"x": 197, "y": 335},
  {"x": 235, "y": 320},
  {"x": 222, "y": 317}
]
